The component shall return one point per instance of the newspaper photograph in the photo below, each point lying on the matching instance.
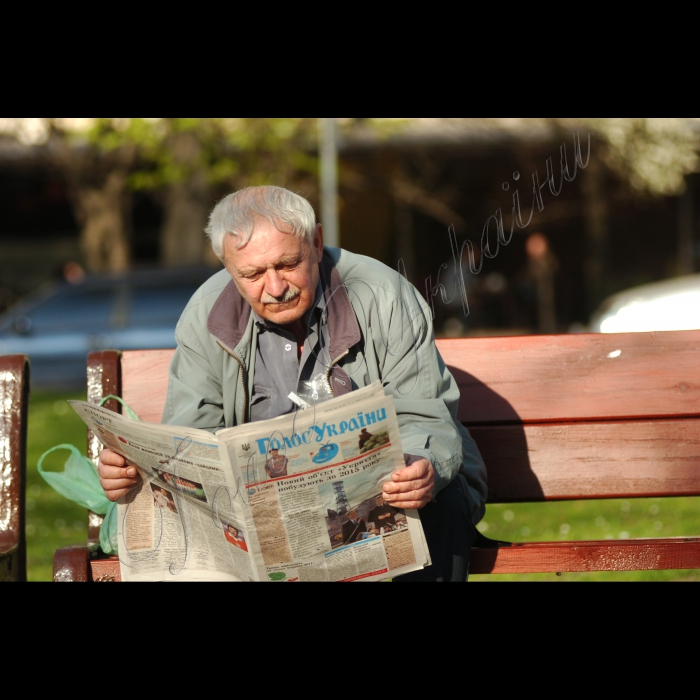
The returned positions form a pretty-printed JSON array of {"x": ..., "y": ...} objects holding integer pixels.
[{"x": 295, "y": 498}]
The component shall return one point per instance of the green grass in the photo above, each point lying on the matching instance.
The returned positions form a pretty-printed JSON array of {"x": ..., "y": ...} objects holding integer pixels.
[
  {"x": 53, "y": 521},
  {"x": 594, "y": 520}
]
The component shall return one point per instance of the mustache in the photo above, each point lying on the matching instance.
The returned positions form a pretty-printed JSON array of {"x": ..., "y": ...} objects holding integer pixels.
[{"x": 290, "y": 294}]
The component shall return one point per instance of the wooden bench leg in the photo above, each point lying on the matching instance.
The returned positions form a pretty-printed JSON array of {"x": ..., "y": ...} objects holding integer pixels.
[{"x": 71, "y": 564}]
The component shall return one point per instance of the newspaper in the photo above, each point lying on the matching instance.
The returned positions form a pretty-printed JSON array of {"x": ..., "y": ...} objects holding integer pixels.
[{"x": 295, "y": 498}]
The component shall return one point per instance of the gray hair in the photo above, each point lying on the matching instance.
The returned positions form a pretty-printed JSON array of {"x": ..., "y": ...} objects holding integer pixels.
[{"x": 235, "y": 215}]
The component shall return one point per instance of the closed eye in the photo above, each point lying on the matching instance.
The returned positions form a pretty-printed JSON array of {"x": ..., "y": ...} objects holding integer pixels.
[{"x": 282, "y": 265}]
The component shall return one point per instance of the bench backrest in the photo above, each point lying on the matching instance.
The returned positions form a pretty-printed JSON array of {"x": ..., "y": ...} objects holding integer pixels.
[
  {"x": 582, "y": 416},
  {"x": 555, "y": 417},
  {"x": 14, "y": 403}
]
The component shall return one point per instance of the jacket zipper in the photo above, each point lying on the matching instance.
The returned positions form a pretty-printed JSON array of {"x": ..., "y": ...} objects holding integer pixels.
[
  {"x": 245, "y": 389},
  {"x": 330, "y": 369}
]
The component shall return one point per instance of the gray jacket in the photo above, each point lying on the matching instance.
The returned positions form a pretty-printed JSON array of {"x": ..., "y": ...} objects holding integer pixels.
[{"x": 379, "y": 329}]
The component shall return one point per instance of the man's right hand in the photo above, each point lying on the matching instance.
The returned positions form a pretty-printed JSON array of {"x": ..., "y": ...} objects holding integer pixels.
[{"x": 117, "y": 476}]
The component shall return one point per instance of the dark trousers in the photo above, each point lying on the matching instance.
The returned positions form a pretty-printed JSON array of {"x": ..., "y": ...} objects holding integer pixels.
[{"x": 450, "y": 535}]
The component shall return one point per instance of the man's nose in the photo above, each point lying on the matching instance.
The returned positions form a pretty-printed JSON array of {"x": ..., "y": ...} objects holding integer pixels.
[{"x": 275, "y": 285}]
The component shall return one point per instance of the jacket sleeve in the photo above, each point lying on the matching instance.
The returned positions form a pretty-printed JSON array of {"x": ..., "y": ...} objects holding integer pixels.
[
  {"x": 426, "y": 397},
  {"x": 194, "y": 395}
]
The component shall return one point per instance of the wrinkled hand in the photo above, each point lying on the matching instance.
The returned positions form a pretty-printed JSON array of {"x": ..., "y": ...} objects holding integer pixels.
[
  {"x": 117, "y": 476},
  {"x": 412, "y": 486}
]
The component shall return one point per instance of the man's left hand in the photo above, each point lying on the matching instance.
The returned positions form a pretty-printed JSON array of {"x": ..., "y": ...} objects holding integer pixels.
[{"x": 412, "y": 486}]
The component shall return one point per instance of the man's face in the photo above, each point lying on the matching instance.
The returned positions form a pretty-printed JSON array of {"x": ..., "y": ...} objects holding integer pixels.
[
  {"x": 380, "y": 501},
  {"x": 275, "y": 272}
]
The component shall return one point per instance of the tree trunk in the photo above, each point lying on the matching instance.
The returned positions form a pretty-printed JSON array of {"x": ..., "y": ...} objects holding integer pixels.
[
  {"x": 182, "y": 240},
  {"x": 97, "y": 185},
  {"x": 103, "y": 238},
  {"x": 187, "y": 204}
]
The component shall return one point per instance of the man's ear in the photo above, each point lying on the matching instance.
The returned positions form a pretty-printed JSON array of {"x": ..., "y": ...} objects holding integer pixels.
[{"x": 318, "y": 242}]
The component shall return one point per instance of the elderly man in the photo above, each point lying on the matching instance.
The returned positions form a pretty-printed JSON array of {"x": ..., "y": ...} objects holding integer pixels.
[
  {"x": 382, "y": 515},
  {"x": 276, "y": 464},
  {"x": 290, "y": 316},
  {"x": 353, "y": 528}
]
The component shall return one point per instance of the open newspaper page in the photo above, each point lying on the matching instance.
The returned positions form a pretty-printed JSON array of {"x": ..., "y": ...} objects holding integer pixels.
[
  {"x": 295, "y": 498},
  {"x": 187, "y": 521},
  {"x": 314, "y": 483}
]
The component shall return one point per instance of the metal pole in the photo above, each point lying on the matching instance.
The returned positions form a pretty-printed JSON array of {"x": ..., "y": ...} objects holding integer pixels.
[{"x": 329, "y": 182}]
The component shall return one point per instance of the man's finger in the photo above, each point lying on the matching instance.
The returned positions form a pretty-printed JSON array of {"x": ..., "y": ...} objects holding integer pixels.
[
  {"x": 408, "y": 505},
  {"x": 107, "y": 472},
  {"x": 112, "y": 484},
  {"x": 418, "y": 470},
  {"x": 413, "y": 499},
  {"x": 116, "y": 494},
  {"x": 113, "y": 459},
  {"x": 406, "y": 486},
  {"x": 415, "y": 494}
]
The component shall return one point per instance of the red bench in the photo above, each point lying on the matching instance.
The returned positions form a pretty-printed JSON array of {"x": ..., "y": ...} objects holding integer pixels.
[
  {"x": 14, "y": 403},
  {"x": 556, "y": 417}
]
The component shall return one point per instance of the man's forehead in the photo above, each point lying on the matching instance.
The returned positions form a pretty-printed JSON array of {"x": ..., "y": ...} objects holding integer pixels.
[
  {"x": 267, "y": 247},
  {"x": 263, "y": 226}
]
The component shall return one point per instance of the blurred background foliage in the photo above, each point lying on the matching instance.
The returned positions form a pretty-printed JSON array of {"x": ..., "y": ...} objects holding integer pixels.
[
  {"x": 186, "y": 164},
  {"x": 112, "y": 193},
  {"x": 109, "y": 194}
]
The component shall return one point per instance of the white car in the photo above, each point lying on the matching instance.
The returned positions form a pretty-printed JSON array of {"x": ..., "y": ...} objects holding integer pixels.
[{"x": 670, "y": 305}]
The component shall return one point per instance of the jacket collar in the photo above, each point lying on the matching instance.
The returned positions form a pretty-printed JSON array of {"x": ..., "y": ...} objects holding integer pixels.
[{"x": 230, "y": 314}]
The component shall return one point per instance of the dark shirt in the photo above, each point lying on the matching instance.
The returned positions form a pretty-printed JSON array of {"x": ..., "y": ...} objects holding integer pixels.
[
  {"x": 278, "y": 372},
  {"x": 384, "y": 510},
  {"x": 352, "y": 531},
  {"x": 276, "y": 466}
]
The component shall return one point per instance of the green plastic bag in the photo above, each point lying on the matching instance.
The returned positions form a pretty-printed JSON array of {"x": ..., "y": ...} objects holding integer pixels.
[{"x": 79, "y": 483}]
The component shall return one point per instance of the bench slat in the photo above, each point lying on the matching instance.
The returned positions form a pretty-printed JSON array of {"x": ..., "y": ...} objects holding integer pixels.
[
  {"x": 525, "y": 378},
  {"x": 546, "y": 557},
  {"x": 596, "y": 555},
  {"x": 145, "y": 382},
  {"x": 575, "y": 377},
  {"x": 591, "y": 460}
]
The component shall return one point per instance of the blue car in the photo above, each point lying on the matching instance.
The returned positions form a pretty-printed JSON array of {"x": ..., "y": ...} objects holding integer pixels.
[{"x": 60, "y": 324}]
